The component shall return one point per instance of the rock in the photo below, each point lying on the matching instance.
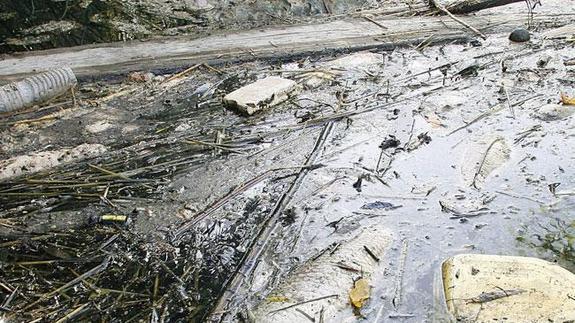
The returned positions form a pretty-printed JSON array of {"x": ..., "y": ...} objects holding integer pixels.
[
  {"x": 36, "y": 162},
  {"x": 520, "y": 35},
  {"x": 488, "y": 288},
  {"x": 261, "y": 94},
  {"x": 140, "y": 77},
  {"x": 552, "y": 112}
]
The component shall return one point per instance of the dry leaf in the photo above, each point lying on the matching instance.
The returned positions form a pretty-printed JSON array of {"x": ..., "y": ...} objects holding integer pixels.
[
  {"x": 359, "y": 293},
  {"x": 567, "y": 100}
]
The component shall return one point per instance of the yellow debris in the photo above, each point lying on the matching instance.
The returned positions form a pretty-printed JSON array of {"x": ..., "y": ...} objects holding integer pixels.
[
  {"x": 277, "y": 299},
  {"x": 567, "y": 100},
  {"x": 359, "y": 293}
]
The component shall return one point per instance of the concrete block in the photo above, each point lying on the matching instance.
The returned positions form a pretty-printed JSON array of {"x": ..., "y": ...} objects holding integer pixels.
[{"x": 261, "y": 94}]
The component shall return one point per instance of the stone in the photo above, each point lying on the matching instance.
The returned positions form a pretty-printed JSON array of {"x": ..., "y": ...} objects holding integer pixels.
[
  {"x": 261, "y": 94},
  {"x": 519, "y": 35}
]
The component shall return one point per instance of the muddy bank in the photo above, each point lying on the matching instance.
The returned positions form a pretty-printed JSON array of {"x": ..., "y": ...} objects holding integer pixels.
[{"x": 43, "y": 24}]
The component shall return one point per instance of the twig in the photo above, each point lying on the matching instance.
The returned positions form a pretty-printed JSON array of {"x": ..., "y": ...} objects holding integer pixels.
[
  {"x": 375, "y": 22},
  {"x": 184, "y": 72},
  {"x": 213, "y": 145},
  {"x": 371, "y": 254},
  {"x": 109, "y": 172},
  {"x": 400, "y": 315},
  {"x": 489, "y": 112},
  {"x": 309, "y": 317},
  {"x": 238, "y": 190},
  {"x": 508, "y": 101},
  {"x": 399, "y": 280},
  {"x": 73, "y": 313},
  {"x": 249, "y": 260},
  {"x": 474, "y": 182},
  {"x": 101, "y": 267},
  {"x": 442, "y": 8},
  {"x": 304, "y": 302},
  {"x": 520, "y": 197},
  {"x": 44, "y": 118}
]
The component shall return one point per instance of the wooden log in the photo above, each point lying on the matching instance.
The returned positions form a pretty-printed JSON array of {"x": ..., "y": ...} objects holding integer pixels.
[{"x": 467, "y": 6}]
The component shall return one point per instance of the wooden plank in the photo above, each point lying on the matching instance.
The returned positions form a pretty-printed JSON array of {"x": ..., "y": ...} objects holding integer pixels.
[{"x": 349, "y": 34}]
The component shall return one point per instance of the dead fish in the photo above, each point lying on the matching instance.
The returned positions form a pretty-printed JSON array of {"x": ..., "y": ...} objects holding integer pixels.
[{"x": 320, "y": 288}]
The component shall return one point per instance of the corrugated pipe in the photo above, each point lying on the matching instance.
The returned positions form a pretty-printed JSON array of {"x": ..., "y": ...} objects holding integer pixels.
[{"x": 36, "y": 89}]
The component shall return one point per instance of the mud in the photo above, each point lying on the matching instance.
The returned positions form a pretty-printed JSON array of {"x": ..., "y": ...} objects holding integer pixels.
[{"x": 394, "y": 158}]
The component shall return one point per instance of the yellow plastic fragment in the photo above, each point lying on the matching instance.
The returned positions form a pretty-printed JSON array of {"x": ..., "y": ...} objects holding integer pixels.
[
  {"x": 114, "y": 218},
  {"x": 359, "y": 293},
  {"x": 567, "y": 100}
]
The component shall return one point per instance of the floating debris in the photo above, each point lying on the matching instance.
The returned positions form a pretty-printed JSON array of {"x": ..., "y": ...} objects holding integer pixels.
[
  {"x": 357, "y": 60},
  {"x": 487, "y": 288},
  {"x": 360, "y": 293}
]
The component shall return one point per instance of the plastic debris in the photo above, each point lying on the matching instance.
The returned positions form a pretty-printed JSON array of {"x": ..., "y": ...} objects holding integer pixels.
[
  {"x": 359, "y": 294},
  {"x": 277, "y": 299},
  {"x": 36, "y": 89},
  {"x": 567, "y": 100},
  {"x": 109, "y": 219},
  {"x": 489, "y": 288}
]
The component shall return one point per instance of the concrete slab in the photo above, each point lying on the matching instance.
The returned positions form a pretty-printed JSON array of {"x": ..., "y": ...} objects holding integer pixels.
[{"x": 261, "y": 94}]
